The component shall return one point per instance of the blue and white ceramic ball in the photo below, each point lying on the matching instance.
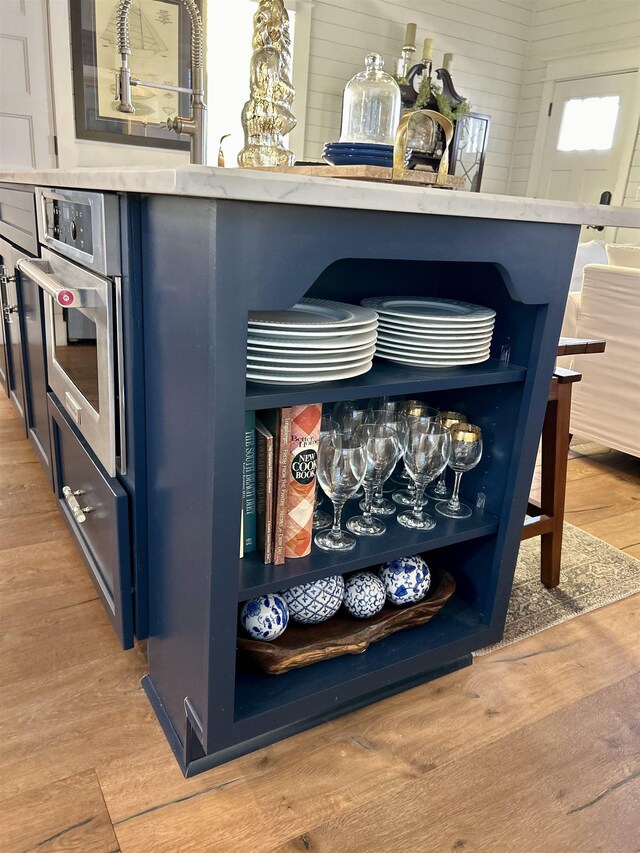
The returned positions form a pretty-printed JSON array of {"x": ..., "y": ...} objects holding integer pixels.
[
  {"x": 266, "y": 617},
  {"x": 406, "y": 579},
  {"x": 316, "y": 601},
  {"x": 364, "y": 595}
]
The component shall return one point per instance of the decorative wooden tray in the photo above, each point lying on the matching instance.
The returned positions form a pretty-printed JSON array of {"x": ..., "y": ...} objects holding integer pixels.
[
  {"x": 302, "y": 645},
  {"x": 411, "y": 177},
  {"x": 398, "y": 174}
]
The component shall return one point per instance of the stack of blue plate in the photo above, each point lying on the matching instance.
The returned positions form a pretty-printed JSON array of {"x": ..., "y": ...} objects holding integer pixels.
[{"x": 359, "y": 154}]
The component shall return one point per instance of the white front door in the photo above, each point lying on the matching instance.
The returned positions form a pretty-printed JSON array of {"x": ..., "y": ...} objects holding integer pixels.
[
  {"x": 26, "y": 114},
  {"x": 589, "y": 139}
]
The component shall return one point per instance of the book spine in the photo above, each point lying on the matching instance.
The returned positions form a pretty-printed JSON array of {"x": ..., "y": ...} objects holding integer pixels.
[
  {"x": 249, "y": 500},
  {"x": 264, "y": 489},
  {"x": 301, "y": 487},
  {"x": 280, "y": 517}
]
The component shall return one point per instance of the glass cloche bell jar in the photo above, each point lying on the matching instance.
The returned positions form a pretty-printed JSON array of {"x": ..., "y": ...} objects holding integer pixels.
[{"x": 371, "y": 105}]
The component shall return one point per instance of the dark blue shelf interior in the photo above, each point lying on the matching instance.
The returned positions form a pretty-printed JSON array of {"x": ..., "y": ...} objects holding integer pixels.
[
  {"x": 257, "y": 579},
  {"x": 457, "y": 626}
]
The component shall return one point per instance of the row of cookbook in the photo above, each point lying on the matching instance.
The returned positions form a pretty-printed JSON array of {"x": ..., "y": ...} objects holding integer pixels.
[{"x": 279, "y": 480}]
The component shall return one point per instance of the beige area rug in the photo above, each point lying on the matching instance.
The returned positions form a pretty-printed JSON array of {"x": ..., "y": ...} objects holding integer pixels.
[{"x": 593, "y": 574}]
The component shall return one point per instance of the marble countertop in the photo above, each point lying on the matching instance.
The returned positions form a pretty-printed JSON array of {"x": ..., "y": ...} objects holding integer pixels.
[{"x": 245, "y": 185}]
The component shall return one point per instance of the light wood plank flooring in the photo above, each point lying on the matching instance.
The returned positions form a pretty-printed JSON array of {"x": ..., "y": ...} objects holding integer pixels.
[{"x": 536, "y": 747}]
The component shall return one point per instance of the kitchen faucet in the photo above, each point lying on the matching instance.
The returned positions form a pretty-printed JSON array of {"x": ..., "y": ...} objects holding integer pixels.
[{"x": 196, "y": 125}]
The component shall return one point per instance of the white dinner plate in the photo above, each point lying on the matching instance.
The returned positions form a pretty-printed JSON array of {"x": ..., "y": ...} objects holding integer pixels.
[
  {"x": 344, "y": 342},
  {"x": 279, "y": 379},
  {"x": 429, "y": 308},
  {"x": 431, "y": 363},
  {"x": 310, "y": 358},
  {"x": 304, "y": 369},
  {"x": 441, "y": 345},
  {"x": 277, "y": 333},
  {"x": 437, "y": 325},
  {"x": 437, "y": 331},
  {"x": 265, "y": 349},
  {"x": 314, "y": 314},
  {"x": 421, "y": 356},
  {"x": 433, "y": 354}
]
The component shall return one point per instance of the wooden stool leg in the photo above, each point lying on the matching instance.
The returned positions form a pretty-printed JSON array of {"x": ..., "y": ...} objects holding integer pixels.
[{"x": 555, "y": 452}]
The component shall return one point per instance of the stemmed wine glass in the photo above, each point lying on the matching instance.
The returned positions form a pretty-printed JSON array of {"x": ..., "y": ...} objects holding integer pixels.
[
  {"x": 382, "y": 443},
  {"x": 439, "y": 490},
  {"x": 350, "y": 415},
  {"x": 426, "y": 453},
  {"x": 414, "y": 409},
  {"x": 320, "y": 518},
  {"x": 466, "y": 452},
  {"x": 389, "y": 416},
  {"x": 342, "y": 464}
]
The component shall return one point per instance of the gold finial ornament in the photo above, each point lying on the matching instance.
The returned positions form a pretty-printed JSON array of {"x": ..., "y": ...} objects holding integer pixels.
[{"x": 267, "y": 116}]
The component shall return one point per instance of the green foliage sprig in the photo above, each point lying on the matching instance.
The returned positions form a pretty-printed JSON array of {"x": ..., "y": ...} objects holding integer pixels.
[{"x": 428, "y": 90}]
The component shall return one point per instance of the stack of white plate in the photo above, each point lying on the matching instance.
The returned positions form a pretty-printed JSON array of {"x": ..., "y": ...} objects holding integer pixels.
[
  {"x": 315, "y": 341},
  {"x": 431, "y": 332}
]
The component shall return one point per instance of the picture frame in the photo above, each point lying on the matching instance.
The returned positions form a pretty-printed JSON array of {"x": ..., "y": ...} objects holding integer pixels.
[
  {"x": 469, "y": 149},
  {"x": 160, "y": 33}
]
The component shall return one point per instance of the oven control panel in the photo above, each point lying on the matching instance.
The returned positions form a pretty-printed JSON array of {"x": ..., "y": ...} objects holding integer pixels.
[
  {"x": 82, "y": 226},
  {"x": 71, "y": 223}
]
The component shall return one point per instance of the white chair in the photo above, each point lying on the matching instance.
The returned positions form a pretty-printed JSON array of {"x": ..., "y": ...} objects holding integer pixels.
[{"x": 606, "y": 403}]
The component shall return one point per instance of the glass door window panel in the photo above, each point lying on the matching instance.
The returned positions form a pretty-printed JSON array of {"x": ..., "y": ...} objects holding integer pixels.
[
  {"x": 76, "y": 351},
  {"x": 588, "y": 124}
]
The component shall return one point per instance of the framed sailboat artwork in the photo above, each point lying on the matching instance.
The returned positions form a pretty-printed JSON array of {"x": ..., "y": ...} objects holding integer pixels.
[{"x": 159, "y": 32}]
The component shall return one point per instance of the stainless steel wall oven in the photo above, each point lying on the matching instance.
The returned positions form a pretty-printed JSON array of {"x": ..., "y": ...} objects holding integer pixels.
[{"x": 79, "y": 273}]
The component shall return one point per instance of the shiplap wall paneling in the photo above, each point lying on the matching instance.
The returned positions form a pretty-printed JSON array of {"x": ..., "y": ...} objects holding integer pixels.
[{"x": 490, "y": 42}]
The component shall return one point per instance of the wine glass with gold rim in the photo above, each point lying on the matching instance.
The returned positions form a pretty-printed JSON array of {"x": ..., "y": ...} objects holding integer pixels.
[
  {"x": 466, "y": 453},
  {"x": 439, "y": 490}
]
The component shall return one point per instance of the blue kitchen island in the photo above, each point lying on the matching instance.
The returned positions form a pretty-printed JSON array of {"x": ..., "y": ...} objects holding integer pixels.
[{"x": 209, "y": 245}]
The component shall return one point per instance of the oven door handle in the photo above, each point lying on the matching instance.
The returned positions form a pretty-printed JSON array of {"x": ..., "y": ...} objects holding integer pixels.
[{"x": 67, "y": 297}]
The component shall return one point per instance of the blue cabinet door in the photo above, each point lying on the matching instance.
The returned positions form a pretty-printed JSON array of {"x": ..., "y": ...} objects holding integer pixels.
[
  {"x": 96, "y": 508},
  {"x": 11, "y": 327},
  {"x": 35, "y": 373}
]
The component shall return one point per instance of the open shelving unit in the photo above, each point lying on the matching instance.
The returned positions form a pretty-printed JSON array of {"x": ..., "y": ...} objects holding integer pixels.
[{"x": 243, "y": 256}]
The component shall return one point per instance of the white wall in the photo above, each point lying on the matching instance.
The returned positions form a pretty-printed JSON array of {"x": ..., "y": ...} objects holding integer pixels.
[
  {"x": 74, "y": 152},
  {"x": 489, "y": 38},
  {"x": 562, "y": 28}
]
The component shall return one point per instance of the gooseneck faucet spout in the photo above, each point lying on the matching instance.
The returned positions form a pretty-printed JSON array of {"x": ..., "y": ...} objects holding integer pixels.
[{"x": 196, "y": 124}]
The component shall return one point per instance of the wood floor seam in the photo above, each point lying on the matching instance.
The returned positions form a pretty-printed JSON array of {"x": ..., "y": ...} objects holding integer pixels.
[{"x": 634, "y": 775}]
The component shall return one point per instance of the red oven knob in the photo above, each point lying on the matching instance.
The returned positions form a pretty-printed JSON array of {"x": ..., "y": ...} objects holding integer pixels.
[{"x": 66, "y": 298}]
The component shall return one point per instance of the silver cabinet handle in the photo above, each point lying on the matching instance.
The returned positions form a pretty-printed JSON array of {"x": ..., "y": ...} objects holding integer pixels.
[
  {"x": 5, "y": 278},
  {"x": 8, "y": 311},
  {"x": 78, "y": 512}
]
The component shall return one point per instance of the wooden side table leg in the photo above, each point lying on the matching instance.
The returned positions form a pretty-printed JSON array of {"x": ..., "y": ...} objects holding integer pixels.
[{"x": 555, "y": 452}]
